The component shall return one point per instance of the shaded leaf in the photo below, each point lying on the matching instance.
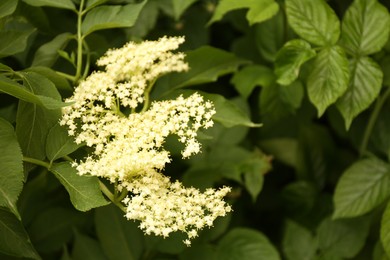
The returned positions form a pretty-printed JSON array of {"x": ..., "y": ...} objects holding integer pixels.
[
  {"x": 198, "y": 251},
  {"x": 59, "y": 143},
  {"x": 342, "y": 238},
  {"x": 283, "y": 149},
  {"x": 206, "y": 65},
  {"x": 298, "y": 242},
  {"x": 250, "y": 77},
  {"x": 329, "y": 78},
  {"x": 7, "y": 7},
  {"x": 14, "y": 239},
  {"x": 245, "y": 244},
  {"x": 33, "y": 122},
  {"x": 14, "y": 37},
  {"x": 314, "y": 21},
  {"x": 93, "y": 3},
  {"x": 60, "y": 82},
  {"x": 228, "y": 113},
  {"x": 13, "y": 88},
  {"x": 106, "y": 17},
  {"x": 120, "y": 238},
  {"x": 269, "y": 36},
  {"x": 364, "y": 87},
  {"x": 52, "y": 228},
  {"x": 84, "y": 191},
  {"x": 259, "y": 10},
  {"x": 11, "y": 167},
  {"x": 362, "y": 187},
  {"x": 385, "y": 230},
  {"x": 86, "y": 247},
  {"x": 365, "y": 27},
  {"x": 65, "y": 4},
  {"x": 47, "y": 54},
  {"x": 290, "y": 58},
  {"x": 180, "y": 6}
]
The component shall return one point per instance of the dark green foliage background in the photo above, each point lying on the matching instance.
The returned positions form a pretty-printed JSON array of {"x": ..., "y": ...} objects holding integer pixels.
[{"x": 302, "y": 133}]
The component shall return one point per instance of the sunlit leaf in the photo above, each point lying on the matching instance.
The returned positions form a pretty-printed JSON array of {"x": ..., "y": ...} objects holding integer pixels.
[
  {"x": 106, "y": 17},
  {"x": 7, "y": 7},
  {"x": 259, "y": 10},
  {"x": 65, "y": 4},
  {"x": 14, "y": 239},
  {"x": 246, "y": 244},
  {"x": 329, "y": 78},
  {"x": 247, "y": 79},
  {"x": 362, "y": 187},
  {"x": 290, "y": 58},
  {"x": 385, "y": 229},
  {"x": 364, "y": 87},
  {"x": 11, "y": 167},
  {"x": 314, "y": 21},
  {"x": 365, "y": 27},
  {"x": 342, "y": 238},
  {"x": 84, "y": 191}
]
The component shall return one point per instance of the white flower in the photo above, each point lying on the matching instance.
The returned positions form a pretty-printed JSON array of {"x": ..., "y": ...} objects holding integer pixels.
[{"x": 129, "y": 149}]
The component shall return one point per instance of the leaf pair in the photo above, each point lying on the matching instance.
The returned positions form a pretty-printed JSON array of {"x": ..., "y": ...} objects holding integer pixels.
[{"x": 353, "y": 85}]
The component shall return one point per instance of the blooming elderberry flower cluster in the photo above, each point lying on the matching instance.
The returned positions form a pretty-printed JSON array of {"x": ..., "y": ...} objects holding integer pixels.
[{"x": 128, "y": 149}]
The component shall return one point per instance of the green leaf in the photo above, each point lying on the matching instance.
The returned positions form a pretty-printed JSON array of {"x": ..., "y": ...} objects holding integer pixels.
[
  {"x": 254, "y": 170},
  {"x": 385, "y": 230},
  {"x": 106, "y": 17},
  {"x": 228, "y": 113},
  {"x": 13, "y": 88},
  {"x": 59, "y": 143},
  {"x": 198, "y": 251},
  {"x": 298, "y": 242},
  {"x": 84, "y": 191},
  {"x": 259, "y": 10},
  {"x": 245, "y": 244},
  {"x": 86, "y": 247},
  {"x": 180, "y": 6},
  {"x": 342, "y": 238},
  {"x": 93, "y": 3},
  {"x": 329, "y": 78},
  {"x": 283, "y": 149},
  {"x": 14, "y": 239},
  {"x": 47, "y": 54},
  {"x": 364, "y": 87},
  {"x": 11, "y": 167},
  {"x": 14, "y": 39},
  {"x": 365, "y": 27},
  {"x": 206, "y": 65},
  {"x": 7, "y": 7},
  {"x": 60, "y": 82},
  {"x": 314, "y": 21},
  {"x": 119, "y": 237},
  {"x": 34, "y": 122},
  {"x": 64, "y": 4},
  {"x": 362, "y": 187},
  {"x": 247, "y": 79},
  {"x": 269, "y": 36},
  {"x": 290, "y": 58},
  {"x": 52, "y": 228},
  {"x": 299, "y": 197}
]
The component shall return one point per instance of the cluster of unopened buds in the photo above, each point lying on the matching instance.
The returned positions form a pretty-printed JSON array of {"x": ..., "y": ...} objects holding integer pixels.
[{"x": 128, "y": 146}]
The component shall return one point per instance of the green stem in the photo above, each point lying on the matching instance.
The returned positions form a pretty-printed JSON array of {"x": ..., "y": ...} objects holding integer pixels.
[
  {"x": 67, "y": 76},
  {"x": 111, "y": 196},
  {"x": 80, "y": 40},
  {"x": 88, "y": 62},
  {"x": 371, "y": 123},
  {"x": 146, "y": 97},
  {"x": 36, "y": 161}
]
